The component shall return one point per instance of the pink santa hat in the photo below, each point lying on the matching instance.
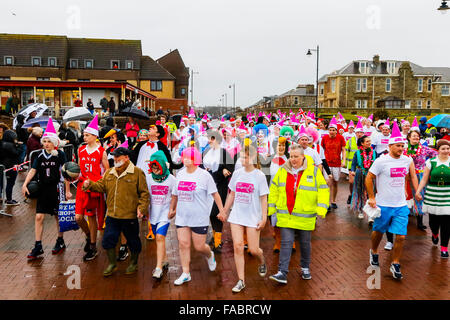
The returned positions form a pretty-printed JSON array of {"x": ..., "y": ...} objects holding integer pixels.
[
  {"x": 351, "y": 124},
  {"x": 124, "y": 145},
  {"x": 205, "y": 118},
  {"x": 242, "y": 127},
  {"x": 415, "y": 125},
  {"x": 386, "y": 124},
  {"x": 370, "y": 118},
  {"x": 302, "y": 132},
  {"x": 92, "y": 128},
  {"x": 280, "y": 124},
  {"x": 359, "y": 127},
  {"x": 333, "y": 123},
  {"x": 50, "y": 133},
  {"x": 222, "y": 120},
  {"x": 396, "y": 135},
  {"x": 191, "y": 113}
]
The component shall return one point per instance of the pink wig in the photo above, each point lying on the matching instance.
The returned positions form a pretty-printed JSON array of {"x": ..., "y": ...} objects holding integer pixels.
[
  {"x": 313, "y": 133},
  {"x": 193, "y": 154}
]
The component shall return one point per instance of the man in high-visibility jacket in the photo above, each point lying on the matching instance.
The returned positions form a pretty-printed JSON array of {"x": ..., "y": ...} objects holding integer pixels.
[
  {"x": 298, "y": 193},
  {"x": 350, "y": 148}
]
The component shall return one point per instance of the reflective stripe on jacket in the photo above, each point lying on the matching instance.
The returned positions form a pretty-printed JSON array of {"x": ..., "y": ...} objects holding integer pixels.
[{"x": 313, "y": 198}]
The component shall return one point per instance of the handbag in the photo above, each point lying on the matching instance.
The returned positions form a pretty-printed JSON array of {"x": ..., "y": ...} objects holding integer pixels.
[{"x": 66, "y": 216}]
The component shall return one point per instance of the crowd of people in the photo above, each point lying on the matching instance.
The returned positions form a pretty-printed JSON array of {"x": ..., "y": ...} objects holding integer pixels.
[{"x": 281, "y": 169}]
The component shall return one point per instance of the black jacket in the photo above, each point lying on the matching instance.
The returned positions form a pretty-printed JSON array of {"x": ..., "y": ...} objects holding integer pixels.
[
  {"x": 9, "y": 155},
  {"x": 172, "y": 166}
]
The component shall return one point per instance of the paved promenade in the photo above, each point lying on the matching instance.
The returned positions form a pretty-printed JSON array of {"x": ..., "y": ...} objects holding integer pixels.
[{"x": 340, "y": 257}]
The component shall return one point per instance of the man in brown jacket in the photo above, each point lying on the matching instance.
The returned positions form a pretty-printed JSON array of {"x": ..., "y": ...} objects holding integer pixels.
[{"x": 127, "y": 199}]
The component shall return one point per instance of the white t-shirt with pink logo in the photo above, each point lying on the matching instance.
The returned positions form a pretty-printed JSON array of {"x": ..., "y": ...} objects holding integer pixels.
[
  {"x": 248, "y": 188},
  {"x": 390, "y": 180},
  {"x": 194, "y": 191},
  {"x": 381, "y": 142},
  {"x": 160, "y": 197}
]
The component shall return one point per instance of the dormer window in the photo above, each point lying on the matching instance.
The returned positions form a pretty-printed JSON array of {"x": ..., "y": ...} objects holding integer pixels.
[
  {"x": 363, "y": 67},
  {"x": 9, "y": 61},
  {"x": 129, "y": 64},
  {"x": 35, "y": 61},
  {"x": 74, "y": 63},
  {"x": 115, "y": 64},
  {"x": 391, "y": 67},
  {"x": 89, "y": 63},
  {"x": 52, "y": 62}
]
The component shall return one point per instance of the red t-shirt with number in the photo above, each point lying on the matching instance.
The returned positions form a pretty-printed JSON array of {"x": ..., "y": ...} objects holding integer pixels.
[
  {"x": 90, "y": 163},
  {"x": 333, "y": 148}
]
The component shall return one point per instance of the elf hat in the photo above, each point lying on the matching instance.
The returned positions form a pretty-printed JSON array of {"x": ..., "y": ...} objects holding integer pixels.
[{"x": 92, "y": 128}]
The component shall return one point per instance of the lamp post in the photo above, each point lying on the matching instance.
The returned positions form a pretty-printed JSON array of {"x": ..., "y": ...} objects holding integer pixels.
[
  {"x": 192, "y": 87},
  {"x": 444, "y": 7},
  {"x": 317, "y": 76},
  {"x": 234, "y": 97}
]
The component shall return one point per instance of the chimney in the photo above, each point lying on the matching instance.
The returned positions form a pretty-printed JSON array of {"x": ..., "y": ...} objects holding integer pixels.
[
  {"x": 376, "y": 59},
  {"x": 310, "y": 89}
]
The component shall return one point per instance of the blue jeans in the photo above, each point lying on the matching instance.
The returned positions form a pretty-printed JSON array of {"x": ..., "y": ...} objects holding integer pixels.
[
  {"x": 287, "y": 240},
  {"x": 10, "y": 182},
  {"x": 22, "y": 148},
  {"x": 130, "y": 229}
]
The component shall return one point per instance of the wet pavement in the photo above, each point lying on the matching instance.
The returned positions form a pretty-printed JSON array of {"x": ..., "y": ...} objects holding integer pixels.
[{"x": 340, "y": 258}]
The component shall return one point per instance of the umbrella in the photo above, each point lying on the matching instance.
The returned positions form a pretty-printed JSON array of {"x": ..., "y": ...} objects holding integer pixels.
[
  {"x": 77, "y": 113},
  {"x": 40, "y": 108},
  {"x": 135, "y": 113},
  {"x": 42, "y": 121},
  {"x": 441, "y": 121}
]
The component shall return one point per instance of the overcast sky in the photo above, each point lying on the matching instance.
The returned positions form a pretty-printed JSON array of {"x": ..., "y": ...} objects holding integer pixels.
[{"x": 259, "y": 45}]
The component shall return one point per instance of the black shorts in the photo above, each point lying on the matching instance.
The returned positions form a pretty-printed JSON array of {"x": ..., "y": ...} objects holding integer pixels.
[
  {"x": 48, "y": 200},
  {"x": 197, "y": 230}
]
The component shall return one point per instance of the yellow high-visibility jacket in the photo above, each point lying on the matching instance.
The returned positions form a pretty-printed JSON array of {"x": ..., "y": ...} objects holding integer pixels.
[
  {"x": 312, "y": 199},
  {"x": 350, "y": 148}
]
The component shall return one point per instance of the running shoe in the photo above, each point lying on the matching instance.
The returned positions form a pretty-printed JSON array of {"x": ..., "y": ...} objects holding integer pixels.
[
  {"x": 12, "y": 203},
  {"x": 262, "y": 269},
  {"x": 334, "y": 206},
  {"x": 59, "y": 247},
  {"x": 280, "y": 277},
  {"x": 90, "y": 255},
  {"x": 349, "y": 199},
  {"x": 35, "y": 253},
  {"x": 185, "y": 277},
  {"x": 240, "y": 285},
  {"x": 396, "y": 273},
  {"x": 374, "y": 259},
  {"x": 389, "y": 246},
  {"x": 361, "y": 215},
  {"x": 444, "y": 254},
  {"x": 306, "y": 275},
  {"x": 434, "y": 240},
  {"x": 87, "y": 246},
  {"x": 165, "y": 265},
  {"x": 211, "y": 262},
  {"x": 157, "y": 273},
  {"x": 123, "y": 253}
]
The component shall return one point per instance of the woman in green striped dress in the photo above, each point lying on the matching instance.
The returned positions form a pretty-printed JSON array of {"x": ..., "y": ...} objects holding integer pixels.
[{"x": 436, "y": 178}]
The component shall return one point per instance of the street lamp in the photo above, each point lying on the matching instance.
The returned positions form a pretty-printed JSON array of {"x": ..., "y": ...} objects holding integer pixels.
[
  {"x": 317, "y": 76},
  {"x": 192, "y": 87},
  {"x": 234, "y": 97},
  {"x": 444, "y": 7}
]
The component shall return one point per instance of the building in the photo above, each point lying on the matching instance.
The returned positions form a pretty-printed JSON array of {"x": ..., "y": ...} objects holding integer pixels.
[
  {"x": 174, "y": 64},
  {"x": 56, "y": 69},
  {"x": 304, "y": 95},
  {"x": 390, "y": 84}
]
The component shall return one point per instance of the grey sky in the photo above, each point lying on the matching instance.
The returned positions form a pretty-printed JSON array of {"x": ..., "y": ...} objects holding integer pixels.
[{"x": 258, "y": 44}]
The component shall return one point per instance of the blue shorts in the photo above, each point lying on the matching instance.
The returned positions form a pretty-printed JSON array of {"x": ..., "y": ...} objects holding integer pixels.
[
  {"x": 394, "y": 220},
  {"x": 197, "y": 230},
  {"x": 160, "y": 228}
]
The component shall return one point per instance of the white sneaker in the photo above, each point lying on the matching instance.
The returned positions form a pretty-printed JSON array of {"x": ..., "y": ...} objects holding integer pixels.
[
  {"x": 361, "y": 215},
  {"x": 157, "y": 273},
  {"x": 211, "y": 262},
  {"x": 389, "y": 246},
  {"x": 185, "y": 277},
  {"x": 239, "y": 286}
]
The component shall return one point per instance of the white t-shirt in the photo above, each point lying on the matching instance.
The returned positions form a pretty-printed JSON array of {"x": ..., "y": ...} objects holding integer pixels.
[
  {"x": 369, "y": 131},
  {"x": 160, "y": 197},
  {"x": 313, "y": 154},
  {"x": 438, "y": 163},
  {"x": 248, "y": 188},
  {"x": 390, "y": 180},
  {"x": 347, "y": 136},
  {"x": 194, "y": 197},
  {"x": 381, "y": 142}
]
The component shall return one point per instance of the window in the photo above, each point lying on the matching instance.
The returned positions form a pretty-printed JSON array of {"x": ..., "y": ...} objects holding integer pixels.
[
  {"x": 428, "y": 104},
  {"x": 74, "y": 63},
  {"x": 46, "y": 96},
  {"x": 419, "y": 104},
  {"x": 429, "y": 87},
  {"x": 333, "y": 85},
  {"x": 9, "y": 61},
  {"x": 52, "y": 62},
  {"x": 129, "y": 64},
  {"x": 84, "y": 80},
  {"x": 156, "y": 85},
  {"x": 321, "y": 89},
  {"x": 388, "y": 85},
  {"x": 420, "y": 85},
  {"x": 26, "y": 95},
  {"x": 183, "y": 91},
  {"x": 115, "y": 64},
  {"x": 391, "y": 67},
  {"x": 361, "y": 104},
  {"x": 295, "y": 100},
  {"x": 445, "y": 90},
  {"x": 35, "y": 61},
  {"x": 363, "y": 67},
  {"x": 358, "y": 85},
  {"x": 89, "y": 63},
  {"x": 42, "y": 79},
  {"x": 5, "y": 78},
  {"x": 408, "y": 104},
  {"x": 68, "y": 97},
  {"x": 364, "y": 85}
]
